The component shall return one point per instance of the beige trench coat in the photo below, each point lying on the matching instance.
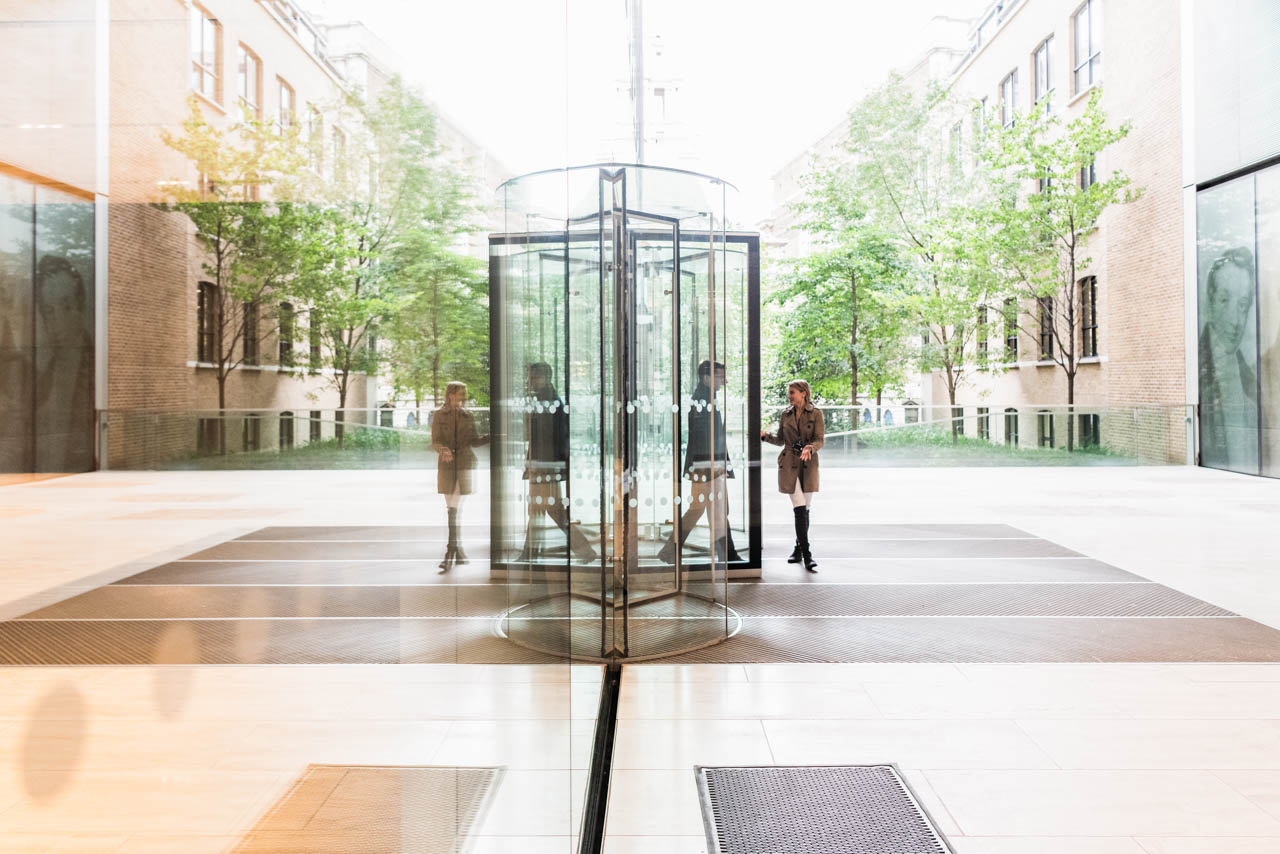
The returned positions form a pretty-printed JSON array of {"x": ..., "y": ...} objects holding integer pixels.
[
  {"x": 806, "y": 427},
  {"x": 455, "y": 429}
]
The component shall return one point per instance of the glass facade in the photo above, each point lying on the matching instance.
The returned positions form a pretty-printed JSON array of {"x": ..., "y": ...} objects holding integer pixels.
[
  {"x": 46, "y": 329},
  {"x": 1238, "y": 295},
  {"x": 626, "y": 408}
]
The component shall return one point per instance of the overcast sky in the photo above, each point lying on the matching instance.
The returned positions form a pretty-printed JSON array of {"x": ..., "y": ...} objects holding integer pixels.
[{"x": 541, "y": 83}]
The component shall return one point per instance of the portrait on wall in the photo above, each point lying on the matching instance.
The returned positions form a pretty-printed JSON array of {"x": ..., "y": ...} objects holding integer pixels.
[{"x": 1228, "y": 330}]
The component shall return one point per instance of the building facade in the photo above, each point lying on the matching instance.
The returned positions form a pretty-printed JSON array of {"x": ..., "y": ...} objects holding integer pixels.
[{"x": 1018, "y": 53}]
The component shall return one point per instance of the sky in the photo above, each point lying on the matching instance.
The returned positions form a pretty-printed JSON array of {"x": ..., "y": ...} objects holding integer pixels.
[{"x": 542, "y": 83}]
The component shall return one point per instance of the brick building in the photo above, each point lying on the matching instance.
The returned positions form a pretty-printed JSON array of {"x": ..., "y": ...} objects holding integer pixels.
[
  {"x": 1016, "y": 51},
  {"x": 109, "y": 79}
]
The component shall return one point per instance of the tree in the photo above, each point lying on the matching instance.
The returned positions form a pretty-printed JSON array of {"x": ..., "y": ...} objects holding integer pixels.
[
  {"x": 1038, "y": 240},
  {"x": 436, "y": 333},
  {"x": 388, "y": 188},
  {"x": 918, "y": 196},
  {"x": 253, "y": 249}
]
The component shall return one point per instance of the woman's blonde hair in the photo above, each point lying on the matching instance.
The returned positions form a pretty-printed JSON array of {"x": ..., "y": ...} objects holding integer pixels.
[
  {"x": 804, "y": 389},
  {"x": 455, "y": 386}
]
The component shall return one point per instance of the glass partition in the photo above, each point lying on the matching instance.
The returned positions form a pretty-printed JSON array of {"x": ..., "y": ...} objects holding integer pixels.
[{"x": 624, "y": 495}]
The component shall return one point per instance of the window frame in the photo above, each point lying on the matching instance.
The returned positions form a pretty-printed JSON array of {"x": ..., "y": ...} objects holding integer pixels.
[
  {"x": 208, "y": 307},
  {"x": 1045, "y": 437},
  {"x": 1089, "y": 175},
  {"x": 286, "y": 118},
  {"x": 1088, "y": 317},
  {"x": 984, "y": 423},
  {"x": 1042, "y": 78},
  {"x": 210, "y": 71},
  {"x": 284, "y": 334},
  {"x": 1011, "y": 329},
  {"x": 957, "y": 419},
  {"x": 980, "y": 334},
  {"x": 286, "y": 430},
  {"x": 250, "y": 351},
  {"x": 1045, "y": 307},
  {"x": 1009, "y": 99},
  {"x": 315, "y": 432},
  {"x": 251, "y": 432},
  {"x": 245, "y": 54},
  {"x": 1090, "y": 430},
  {"x": 1011, "y": 437},
  {"x": 1092, "y": 50}
]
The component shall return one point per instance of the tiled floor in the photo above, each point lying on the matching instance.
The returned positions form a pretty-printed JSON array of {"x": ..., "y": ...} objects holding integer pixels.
[{"x": 1088, "y": 758}]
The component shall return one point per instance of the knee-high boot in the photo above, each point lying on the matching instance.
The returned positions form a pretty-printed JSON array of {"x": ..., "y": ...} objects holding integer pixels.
[
  {"x": 451, "y": 550},
  {"x": 805, "y": 553}
]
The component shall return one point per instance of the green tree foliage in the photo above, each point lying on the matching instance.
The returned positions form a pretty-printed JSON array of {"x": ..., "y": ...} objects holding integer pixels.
[
  {"x": 253, "y": 249},
  {"x": 1036, "y": 227},
  {"x": 392, "y": 204}
]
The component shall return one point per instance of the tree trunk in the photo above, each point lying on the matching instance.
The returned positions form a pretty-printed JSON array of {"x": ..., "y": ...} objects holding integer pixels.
[
  {"x": 222, "y": 413},
  {"x": 853, "y": 343},
  {"x": 951, "y": 413},
  {"x": 879, "y": 397},
  {"x": 1071, "y": 419}
]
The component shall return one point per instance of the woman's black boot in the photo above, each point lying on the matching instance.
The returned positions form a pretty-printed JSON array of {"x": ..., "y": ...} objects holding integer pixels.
[
  {"x": 451, "y": 550},
  {"x": 802, "y": 524},
  {"x": 795, "y": 553}
]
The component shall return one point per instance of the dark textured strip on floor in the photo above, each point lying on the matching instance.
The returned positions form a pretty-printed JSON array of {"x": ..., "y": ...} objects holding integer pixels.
[{"x": 755, "y": 600}]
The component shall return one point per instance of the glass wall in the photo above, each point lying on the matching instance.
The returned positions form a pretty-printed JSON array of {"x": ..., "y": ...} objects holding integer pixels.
[
  {"x": 1238, "y": 295},
  {"x": 46, "y": 329}
]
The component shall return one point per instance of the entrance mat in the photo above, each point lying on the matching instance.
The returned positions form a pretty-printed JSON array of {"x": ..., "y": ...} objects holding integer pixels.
[
  {"x": 355, "y": 809},
  {"x": 814, "y": 809}
]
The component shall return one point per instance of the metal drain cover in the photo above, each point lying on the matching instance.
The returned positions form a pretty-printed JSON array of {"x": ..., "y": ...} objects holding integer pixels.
[{"x": 814, "y": 809}]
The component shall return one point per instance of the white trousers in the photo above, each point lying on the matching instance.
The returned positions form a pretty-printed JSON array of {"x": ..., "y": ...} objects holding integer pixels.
[{"x": 801, "y": 499}]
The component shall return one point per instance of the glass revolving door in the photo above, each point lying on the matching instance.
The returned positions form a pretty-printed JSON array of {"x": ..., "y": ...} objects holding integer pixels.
[{"x": 626, "y": 410}]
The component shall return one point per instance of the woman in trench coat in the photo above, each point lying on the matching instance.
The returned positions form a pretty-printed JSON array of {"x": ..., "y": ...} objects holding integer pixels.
[
  {"x": 453, "y": 435},
  {"x": 800, "y": 433}
]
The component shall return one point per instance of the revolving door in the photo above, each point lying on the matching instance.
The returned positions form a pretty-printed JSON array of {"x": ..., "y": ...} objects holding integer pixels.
[{"x": 625, "y": 476}]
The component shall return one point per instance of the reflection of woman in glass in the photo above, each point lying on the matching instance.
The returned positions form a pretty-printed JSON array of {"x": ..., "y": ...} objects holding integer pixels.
[
  {"x": 453, "y": 435},
  {"x": 547, "y": 464},
  {"x": 64, "y": 367},
  {"x": 800, "y": 433},
  {"x": 707, "y": 468},
  {"x": 1228, "y": 369}
]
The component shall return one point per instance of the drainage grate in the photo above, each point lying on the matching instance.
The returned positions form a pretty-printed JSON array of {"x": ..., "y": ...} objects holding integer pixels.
[{"x": 815, "y": 809}]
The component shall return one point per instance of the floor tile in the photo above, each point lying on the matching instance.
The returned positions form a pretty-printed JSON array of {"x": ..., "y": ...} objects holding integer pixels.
[
  {"x": 1261, "y": 787},
  {"x": 985, "y": 702},
  {"x": 748, "y": 700},
  {"x": 910, "y": 744},
  {"x": 290, "y": 745},
  {"x": 534, "y": 803},
  {"x": 682, "y": 744},
  {"x": 645, "y": 674},
  {"x": 538, "y": 744},
  {"x": 654, "y": 803},
  {"x": 931, "y": 674},
  {"x": 648, "y": 844},
  {"x": 1044, "y": 845},
  {"x": 1137, "y": 744},
  {"x": 1098, "y": 803},
  {"x": 1215, "y": 845}
]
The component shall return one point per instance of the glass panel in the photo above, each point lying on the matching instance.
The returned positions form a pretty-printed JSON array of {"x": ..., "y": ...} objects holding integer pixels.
[
  {"x": 1268, "y": 232},
  {"x": 1228, "y": 345},
  {"x": 16, "y": 345}
]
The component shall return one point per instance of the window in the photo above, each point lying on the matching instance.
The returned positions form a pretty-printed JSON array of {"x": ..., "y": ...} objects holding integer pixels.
[
  {"x": 251, "y": 333},
  {"x": 1011, "y": 329},
  {"x": 1088, "y": 175},
  {"x": 1090, "y": 431},
  {"x": 1044, "y": 183},
  {"x": 1044, "y": 428},
  {"x": 339, "y": 150},
  {"x": 982, "y": 329},
  {"x": 315, "y": 136},
  {"x": 207, "y": 435},
  {"x": 313, "y": 334},
  {"x": 984, "y": 423},
  {"x": 206, "y": 54},
  {"x": 315, "y": 425},
  {"x": 1044, "y": 74},
  {"x": 287, "y": 317},
  {"x": 957, "y": 144},
  {"x": 1009, "y": 98},
  {"x": 1089, "y": 316},
  {"x": 249, "y": 80},
  {"x": 1011, "y": 427},
  {"x": 957, "y": 419},
  {"x": 1046, "y": 327},
  {"x": 1086, "y": 28},
  {"x": 208, "y": 309},
  {"x": 286, "y": 430},
  {"x": 288, "y": 105},
  {"x": 386, "y": 417},
  {"x": 251, "y": 434}
]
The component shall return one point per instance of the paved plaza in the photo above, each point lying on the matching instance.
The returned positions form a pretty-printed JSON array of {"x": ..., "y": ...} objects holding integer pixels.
[{"x": 1143, "y": 719}]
